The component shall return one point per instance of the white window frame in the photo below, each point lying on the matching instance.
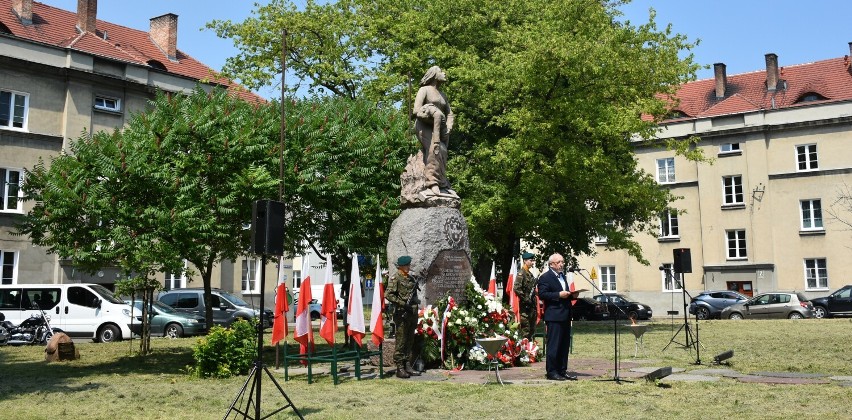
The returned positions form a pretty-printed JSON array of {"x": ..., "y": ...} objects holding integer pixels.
[
  {"x": 740, "y": 248},
  {"x": 804, "y": 162},
  {"x": 729, "y": 148},
  {"x": 608, "y": 280},
  {"x": 666, "y": 171},
  {"x": 6, "y": 266},
  {"x": 102, "y": 102},
  {"x": 669, "y": 227},
  {"x": 602, "y": 239},
  {"x": 250, "y": 276},
  {"x": 175, "y": 282},
  {"x": 13, "y": 99},
  {"x": 667, "y": 279},
  {"x": 816, "y": 272},
  {"x": 810, "y": 212},
  {"x": 5, "y": 186},
  {"x": 735, "y": 195}
]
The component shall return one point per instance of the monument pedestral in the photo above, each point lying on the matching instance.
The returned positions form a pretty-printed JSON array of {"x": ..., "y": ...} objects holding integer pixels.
[{"x": 437, "y": 241}]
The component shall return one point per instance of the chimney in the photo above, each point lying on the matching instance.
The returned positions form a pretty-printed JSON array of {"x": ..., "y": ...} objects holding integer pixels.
[
  {"x": 164, "y": 34},
  {"x": 87, "y": 15},
  {"x": 721, "y": 79},
  {"x": 771, "y": 72},
  {"x": 24, "y": 10}
]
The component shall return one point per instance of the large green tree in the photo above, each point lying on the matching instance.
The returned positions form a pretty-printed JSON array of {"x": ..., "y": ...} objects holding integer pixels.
[{"x": 547, "y": 95}]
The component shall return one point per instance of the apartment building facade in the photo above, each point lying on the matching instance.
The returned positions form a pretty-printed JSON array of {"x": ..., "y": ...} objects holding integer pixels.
[
  {"x": 63, "y": 73},
  {"x": 756, "y": 219}
]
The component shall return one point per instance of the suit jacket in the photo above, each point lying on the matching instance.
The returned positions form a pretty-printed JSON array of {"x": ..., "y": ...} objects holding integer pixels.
[{"x": 555, "y": 309}]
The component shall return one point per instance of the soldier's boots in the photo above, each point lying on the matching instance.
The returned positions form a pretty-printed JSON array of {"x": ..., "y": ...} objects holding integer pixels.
[
  {"x": 410, "y": 370},
  {"x": 401, "y": 373}
]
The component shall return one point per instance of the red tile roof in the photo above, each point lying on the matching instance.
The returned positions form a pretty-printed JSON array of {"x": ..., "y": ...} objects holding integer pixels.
[
  {"x": 831, "y": 79},
  {"x": 57, "y": 27}
]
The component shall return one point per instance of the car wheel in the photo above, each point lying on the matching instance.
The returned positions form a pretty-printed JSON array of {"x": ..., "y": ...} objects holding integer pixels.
[
  {"x": 633, "y": 315},
  {"x": 796, "y": 315},
  {"x": 315, "y": 316},
  {"x": 736, "y": 315},
  {"x": 108, "y": 334},
  {"x": 173, "y": 331},
  {"x": 702, "y": 313},
  {"x": 820, "y": 312}
]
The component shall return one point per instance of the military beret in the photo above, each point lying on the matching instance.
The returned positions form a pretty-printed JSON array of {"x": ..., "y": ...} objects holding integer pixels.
[
  {"x": 528, "y": 255},
  {"x": 403, "y": 260}
]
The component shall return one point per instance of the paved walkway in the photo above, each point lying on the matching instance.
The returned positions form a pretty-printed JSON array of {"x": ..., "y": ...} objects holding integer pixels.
[{"x": 587, "y": 369}]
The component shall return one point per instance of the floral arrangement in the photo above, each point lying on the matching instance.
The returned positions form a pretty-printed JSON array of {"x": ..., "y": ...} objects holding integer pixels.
[{"x": 482, "y": 315}]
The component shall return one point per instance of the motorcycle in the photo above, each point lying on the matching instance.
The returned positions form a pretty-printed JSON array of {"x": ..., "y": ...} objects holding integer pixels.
[{"x": 34, "y": 330}]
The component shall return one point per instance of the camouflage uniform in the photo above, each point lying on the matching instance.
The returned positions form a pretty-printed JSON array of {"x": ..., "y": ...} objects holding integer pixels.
[
  {"x": 524, "y": 286},
  {"x": 404, "y": 315}
]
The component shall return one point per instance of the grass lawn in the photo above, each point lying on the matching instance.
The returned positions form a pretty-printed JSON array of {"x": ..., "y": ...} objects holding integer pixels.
[{"x": 109, "y": 382}]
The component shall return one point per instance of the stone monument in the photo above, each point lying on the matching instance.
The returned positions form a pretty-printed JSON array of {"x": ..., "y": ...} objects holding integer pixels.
[{"x": 431, "y": 228}]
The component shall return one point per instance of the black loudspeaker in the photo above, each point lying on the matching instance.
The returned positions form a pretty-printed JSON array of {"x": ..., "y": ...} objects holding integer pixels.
[
  {"x": 682, "y": 260},
  {"x": 267, "y": 227}
]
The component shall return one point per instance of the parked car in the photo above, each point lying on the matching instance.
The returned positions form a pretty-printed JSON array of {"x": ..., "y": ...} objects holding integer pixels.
[
  {"x": 588, "y": 309},
  {"x": 709, "y": 304},
  {"x": 771, "y": 305},
  {"x": 170, "y": 322},
  {"x": 615, "y": 301},
  {"x": 835, "y": 304},
  {"x": 227, "y": 307}
]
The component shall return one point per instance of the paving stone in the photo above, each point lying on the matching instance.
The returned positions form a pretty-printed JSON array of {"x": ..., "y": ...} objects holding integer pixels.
[
  {"x": 841, "y": 378},
  {"x": 649, "y": 369},
  {"x": 689, "y": 377},
  {"x": 719, "y": 372}
]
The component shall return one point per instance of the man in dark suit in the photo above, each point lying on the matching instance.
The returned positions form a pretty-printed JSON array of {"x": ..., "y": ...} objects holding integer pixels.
[{"x": 554, "y": 291}]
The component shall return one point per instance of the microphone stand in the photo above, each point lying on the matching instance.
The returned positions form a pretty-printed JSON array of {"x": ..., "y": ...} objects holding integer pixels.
[{"x": 615, "y": 377}]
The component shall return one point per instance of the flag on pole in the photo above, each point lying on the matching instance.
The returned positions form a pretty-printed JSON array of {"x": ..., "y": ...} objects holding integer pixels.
[
  {"x": 377, "y": 326},
  {"x": 571, "y": 286},
  {"x": 328, "y": 315},
  {"x": 514, "y": 301},
  {"x": 355, "y": 313},
  {"x": 279, "y": 325},
  {"x": 492, "y": 284},
  {"x": 304, "y": 333},
  {"x": 451, "y": 303}
]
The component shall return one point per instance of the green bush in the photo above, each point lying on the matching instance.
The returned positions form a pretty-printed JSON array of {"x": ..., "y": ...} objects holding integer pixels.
[{"x": 225, "y": 352}]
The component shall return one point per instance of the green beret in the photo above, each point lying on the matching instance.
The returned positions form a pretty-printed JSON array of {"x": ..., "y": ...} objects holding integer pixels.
[
  {"x": 528, "y": 255},
  {"x": 403, "y": 260}
]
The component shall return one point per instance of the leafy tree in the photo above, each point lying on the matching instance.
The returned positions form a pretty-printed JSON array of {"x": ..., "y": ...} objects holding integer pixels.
[{"x": 547, "y": 96}]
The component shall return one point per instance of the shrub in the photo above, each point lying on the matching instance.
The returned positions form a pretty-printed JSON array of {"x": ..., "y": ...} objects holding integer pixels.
[{"x": 225, "y": 352}]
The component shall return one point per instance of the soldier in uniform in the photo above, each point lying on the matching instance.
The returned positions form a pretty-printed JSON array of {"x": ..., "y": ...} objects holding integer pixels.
[
  {"x": 400, "y": 292},
  {"x": 525, "y": 288}
]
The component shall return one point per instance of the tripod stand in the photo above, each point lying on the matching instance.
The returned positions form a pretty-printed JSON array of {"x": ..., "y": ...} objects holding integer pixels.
[
  {"x": 615, "y": 377},
  {"x": 690, "y": 341},
  {"x": 255, "y": 377}
]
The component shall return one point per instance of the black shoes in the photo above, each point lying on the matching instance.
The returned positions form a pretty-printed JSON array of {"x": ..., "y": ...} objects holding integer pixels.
[{"x": 556, "y": 377}]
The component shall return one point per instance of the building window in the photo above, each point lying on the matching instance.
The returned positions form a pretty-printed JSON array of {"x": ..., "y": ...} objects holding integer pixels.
[
  {"x": 665, "y": 171},
  {"x": 806, "y": 157},
  {"x": 10, "y": 190},
  {"x": 8, "y": 267},
  {"x": 297, "y": 278},
  {"x": 816, "y": 274},
  {"x": 811, "y": 214},
  {"x": 608, "y": 278},
  {"x": 736, "y": 244},
  {"x": 668, "y": 224},
  {"x": 729, "y": 148},
  {"x": 176, "y": 280},
  {"x": 733, "y": 189},
  {"x": 13, "y": 109},
  {"x": 601, "y": 237},
  {"x": 670, "y": 282},
  {"x": 107, "y": 104},
  {"x": 251, "y": 270}
]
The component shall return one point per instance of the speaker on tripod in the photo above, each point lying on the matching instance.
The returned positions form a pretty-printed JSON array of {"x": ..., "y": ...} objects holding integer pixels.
[
  {"x": 267, "y": 227},
  {"x": 682, "y": 260}
]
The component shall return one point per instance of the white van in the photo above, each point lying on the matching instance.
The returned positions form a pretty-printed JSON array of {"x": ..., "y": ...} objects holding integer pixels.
[{"x": 80, "y": 310}]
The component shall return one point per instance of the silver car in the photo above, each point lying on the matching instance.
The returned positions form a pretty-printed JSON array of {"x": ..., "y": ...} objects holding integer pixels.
[{"x": 771, "y": 305}]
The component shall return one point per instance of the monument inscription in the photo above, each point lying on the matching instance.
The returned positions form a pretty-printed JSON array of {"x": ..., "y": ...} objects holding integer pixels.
[{"x": 448, "y": 274}]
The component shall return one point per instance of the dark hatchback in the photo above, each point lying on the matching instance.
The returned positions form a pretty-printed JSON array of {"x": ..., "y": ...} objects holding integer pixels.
[
  {"x": 617, "y": 303},
  {"x": 588, "y": 309},
  {"x": 838, "y": 303}
]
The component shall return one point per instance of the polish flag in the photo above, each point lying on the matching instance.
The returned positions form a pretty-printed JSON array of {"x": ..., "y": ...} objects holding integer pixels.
[
  {"x": 304, "y": 333},
  {"x": 514, "y": 302},
  {"x": 377, "y": 326},
  {"x": 279, "y": 325},
  {"x": 571, "y": 286},
  {"x": 355, "y": 313},
  {"x": 492, "y": 284},
  {"x": 451, "y": 303},
  {"x": 328, "y": 315}
]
